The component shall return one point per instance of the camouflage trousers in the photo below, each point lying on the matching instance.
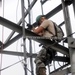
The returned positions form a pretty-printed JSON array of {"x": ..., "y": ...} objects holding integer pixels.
[{"x": 40, "y": 60}]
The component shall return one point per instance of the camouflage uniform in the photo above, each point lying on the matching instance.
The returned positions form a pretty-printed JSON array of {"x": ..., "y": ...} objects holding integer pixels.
[{"x": 43, "y": 58}]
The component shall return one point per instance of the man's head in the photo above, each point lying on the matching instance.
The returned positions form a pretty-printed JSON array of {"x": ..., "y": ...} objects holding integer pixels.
[{"x": 40, "y": 19}]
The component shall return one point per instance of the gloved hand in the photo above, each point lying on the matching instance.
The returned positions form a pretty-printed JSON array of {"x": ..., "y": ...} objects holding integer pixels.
[{"x": 29, "y": 26}]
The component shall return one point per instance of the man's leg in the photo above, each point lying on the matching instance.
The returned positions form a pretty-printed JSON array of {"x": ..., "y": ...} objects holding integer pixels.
[
  {"x": 40, "y": 69},
  {"x": 40, "y": 66}
]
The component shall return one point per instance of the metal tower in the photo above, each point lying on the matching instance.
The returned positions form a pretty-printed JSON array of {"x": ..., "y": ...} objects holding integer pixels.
[{"x": 20, "y": 27}]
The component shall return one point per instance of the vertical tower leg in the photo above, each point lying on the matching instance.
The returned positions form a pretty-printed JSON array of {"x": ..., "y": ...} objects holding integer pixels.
[
  {"x": 68, "y": 30},
  {"x": 24, "y": 38},
  {"x": 74, "y": 6}
]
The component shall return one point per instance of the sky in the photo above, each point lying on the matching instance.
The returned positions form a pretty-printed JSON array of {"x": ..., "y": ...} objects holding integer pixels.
[{"x": 12, "y": 12}]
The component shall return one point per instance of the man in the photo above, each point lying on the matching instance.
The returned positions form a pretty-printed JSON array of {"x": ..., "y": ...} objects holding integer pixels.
[{"x": 46, "y": 29}]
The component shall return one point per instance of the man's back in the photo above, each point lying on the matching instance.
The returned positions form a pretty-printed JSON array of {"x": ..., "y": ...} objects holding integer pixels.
[{"x": 48, "y": 24}]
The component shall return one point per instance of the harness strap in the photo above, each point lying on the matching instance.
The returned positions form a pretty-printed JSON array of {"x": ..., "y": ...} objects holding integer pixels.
[{"x": 50, "y": 31}]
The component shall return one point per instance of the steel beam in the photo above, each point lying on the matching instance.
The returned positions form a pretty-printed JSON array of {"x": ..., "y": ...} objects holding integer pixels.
[
  {"x": 61, "y": 59},
  {"x": 33, "y": 36},
  {"x": 55, "y": 10},
  {"x": 12, "y": 40},
  {"x": 18, "y": 37},
  {"x": 60, "y": 68},
  {"x": 33, "y": 55},
  {"x": 62, "y": 72},
  {"x": 18, "y": 53},
  {"x": 74, "y": 6},
  {"x": 61, "y": 24},
  {"x": 69, "y": 32},
  {"x": 30, "y": 43}
]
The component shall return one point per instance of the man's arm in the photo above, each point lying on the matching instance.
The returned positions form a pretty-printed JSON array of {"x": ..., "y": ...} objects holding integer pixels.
[{"x": 38, "y": 30}]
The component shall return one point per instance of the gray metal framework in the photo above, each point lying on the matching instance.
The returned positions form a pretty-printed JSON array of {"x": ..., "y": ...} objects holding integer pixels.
[{"x": 68, "y": 52}]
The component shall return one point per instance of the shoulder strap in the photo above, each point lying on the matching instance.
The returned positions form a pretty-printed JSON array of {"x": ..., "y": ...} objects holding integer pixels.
[
  {"x": 55, "y": 28},
  {"x": 49, "y": 31}
]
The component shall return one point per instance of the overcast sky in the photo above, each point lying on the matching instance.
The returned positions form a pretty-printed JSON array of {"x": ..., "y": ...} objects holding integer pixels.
[{"x": 12, "y": 12}]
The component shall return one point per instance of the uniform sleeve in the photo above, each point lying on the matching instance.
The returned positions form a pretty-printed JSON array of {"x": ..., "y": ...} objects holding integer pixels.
[{"x": 45, "y": 24}]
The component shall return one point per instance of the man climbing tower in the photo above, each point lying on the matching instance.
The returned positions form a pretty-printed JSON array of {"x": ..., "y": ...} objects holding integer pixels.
[
  {"x": 45, "y": 56},
  {"x": 43, "y": 23}
]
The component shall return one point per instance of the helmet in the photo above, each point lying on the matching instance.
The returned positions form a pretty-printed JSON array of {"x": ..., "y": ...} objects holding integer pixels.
[{"x": 39, "y": 17}]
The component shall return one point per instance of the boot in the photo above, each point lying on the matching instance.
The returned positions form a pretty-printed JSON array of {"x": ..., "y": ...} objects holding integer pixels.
[{"x": 42, "y": 71}]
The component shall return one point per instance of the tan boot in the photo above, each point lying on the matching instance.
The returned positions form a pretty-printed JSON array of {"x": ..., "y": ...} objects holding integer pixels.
[{"x": 42, "y": 71}]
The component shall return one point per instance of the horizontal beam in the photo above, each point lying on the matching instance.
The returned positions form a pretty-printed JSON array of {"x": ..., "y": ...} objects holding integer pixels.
[
  {"x": 18, "y": 29},
  {"x": 60, "y": 68},
  {"x": 18, "y": 53},
  {"x": 12, "y": 40},
  {"x": 55, "y": 10},
  {"x": 61, "y": 59},
  {"x": 62, "y": 72},
  {"x": 33, "y": 55}
]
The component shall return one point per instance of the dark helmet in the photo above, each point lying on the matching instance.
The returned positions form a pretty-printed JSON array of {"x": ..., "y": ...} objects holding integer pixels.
[{"x": 38, "y": 18}]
